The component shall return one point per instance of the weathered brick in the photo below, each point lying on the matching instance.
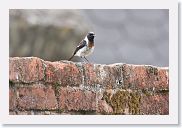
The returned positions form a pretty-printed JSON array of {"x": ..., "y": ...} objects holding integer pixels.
[
  {"x": 12, "y": 99},
  {"x": 145, "y": 77},
  {"x": 123, "y": 102},
  {"x": 76, "y": 99},
  {"x": 107, "y": 76},
  {"x": 104, "y": 108},
  {"x": 90, "y": 74},
  {"x": 62, "y": 74},
  {"x": 157, "y": 104},
  {"x": 25, "y": 69},
  {"x": 36, "y": 97},
  {"x": 81, "y": 88}
]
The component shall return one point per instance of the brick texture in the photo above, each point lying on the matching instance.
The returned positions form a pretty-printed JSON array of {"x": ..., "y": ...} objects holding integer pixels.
[
  {"x": 26, "y": 70},
  {"x": 155, "y": 104},
  {"x": 36, "y": 97},
  {"x": 12, "y": 99},
  {"x": 76, "y": 99},
  {"x": 143, "y": 77},
  {"x": 39, "y": 87},
  {"x": 62, "y": 73}
]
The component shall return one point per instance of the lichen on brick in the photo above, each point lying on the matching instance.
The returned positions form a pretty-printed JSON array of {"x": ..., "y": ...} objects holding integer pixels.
[
  {"x": 123, "y": 102},
  {"x": 134, "y": 103},
  {"x": 152, "y": 70}
]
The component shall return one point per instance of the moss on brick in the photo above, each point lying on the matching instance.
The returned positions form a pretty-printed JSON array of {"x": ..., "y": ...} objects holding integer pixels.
[
  {"x": 134, "y": 103},
  {"x": 119, "y": 101},
  {"x": 123, "y": 102}
]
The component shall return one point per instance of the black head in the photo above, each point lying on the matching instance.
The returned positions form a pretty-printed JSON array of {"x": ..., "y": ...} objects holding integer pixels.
[{"x": 91, "y": 36}]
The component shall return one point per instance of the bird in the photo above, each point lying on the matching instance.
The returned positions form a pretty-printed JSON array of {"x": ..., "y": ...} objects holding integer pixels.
[{"x": 85, "y": 47}]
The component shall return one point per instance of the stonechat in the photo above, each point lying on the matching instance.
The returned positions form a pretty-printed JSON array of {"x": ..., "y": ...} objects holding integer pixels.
[{"x": 85, "y": 47}]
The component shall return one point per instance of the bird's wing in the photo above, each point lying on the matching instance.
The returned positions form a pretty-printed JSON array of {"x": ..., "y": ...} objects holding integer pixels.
[{"x": 81, "y": 45}]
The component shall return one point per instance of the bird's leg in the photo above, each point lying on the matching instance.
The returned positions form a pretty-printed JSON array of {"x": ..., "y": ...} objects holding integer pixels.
[
  {"x": 86, "y": 59},
  {"x": 82, "y": 58}
]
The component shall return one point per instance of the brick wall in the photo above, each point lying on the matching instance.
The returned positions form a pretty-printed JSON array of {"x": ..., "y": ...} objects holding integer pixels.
[{"x": 64, "y": 87}]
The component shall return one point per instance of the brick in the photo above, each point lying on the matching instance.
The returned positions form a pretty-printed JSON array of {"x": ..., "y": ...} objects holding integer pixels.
[
  {"x": 62, "y": 74},
  {"x": 12, "y": 99},
  {"x": 12, "y": 113},
  {"x": 36, "y": 97},
  {"x": 104, "y": 107},
  {"x": 123, "y": 102},
  {"x": 90, "y": 74},
  {"x": 157, "y": 104},
  {"x": 107, "y": 76},
  {"x": 110, "y": 76},
  {"x": 66, "y": 87},
  {"x": 145, "y": 77},
  {"x": 25, "y": 69},
  {"x": 163, "y": 78},
  {"x": 76, "y": 99}
]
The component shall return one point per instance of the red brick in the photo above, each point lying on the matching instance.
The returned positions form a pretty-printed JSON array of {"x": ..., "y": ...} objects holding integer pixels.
[
  {"x": 143, "y": 77},
  {"x": 36, "y": 97},
  {"x": 12, "y": 99},
  {"x": 107, "y": 76},
  {"x": 90, "y": 74},
  {"x": 76, "y": 99},
  {"x": 157, "y": 104},
  {"x": 163, "y": 78},
  {"x": 79, "y": 87},
  {"x": 63, "y": 74},
  {"x": 104, "y": 107},
  {"x": 25, "y": 69}
]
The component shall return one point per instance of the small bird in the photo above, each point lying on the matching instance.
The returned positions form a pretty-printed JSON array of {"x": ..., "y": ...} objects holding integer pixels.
[{"x": 85, "y": 47}]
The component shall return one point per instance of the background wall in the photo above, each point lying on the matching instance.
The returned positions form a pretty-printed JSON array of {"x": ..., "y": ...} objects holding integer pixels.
[{"x": 127, "y": 36}]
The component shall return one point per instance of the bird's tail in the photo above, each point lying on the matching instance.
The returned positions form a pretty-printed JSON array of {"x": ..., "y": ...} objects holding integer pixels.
[{"x": 71, "y": 57}]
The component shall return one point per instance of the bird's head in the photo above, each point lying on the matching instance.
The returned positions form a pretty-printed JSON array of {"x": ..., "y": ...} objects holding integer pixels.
[{"x": 91, "y": 36}]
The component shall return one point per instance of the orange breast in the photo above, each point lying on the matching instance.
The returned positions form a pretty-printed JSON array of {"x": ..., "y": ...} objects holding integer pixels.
[{"x": 91, "y": 44}]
